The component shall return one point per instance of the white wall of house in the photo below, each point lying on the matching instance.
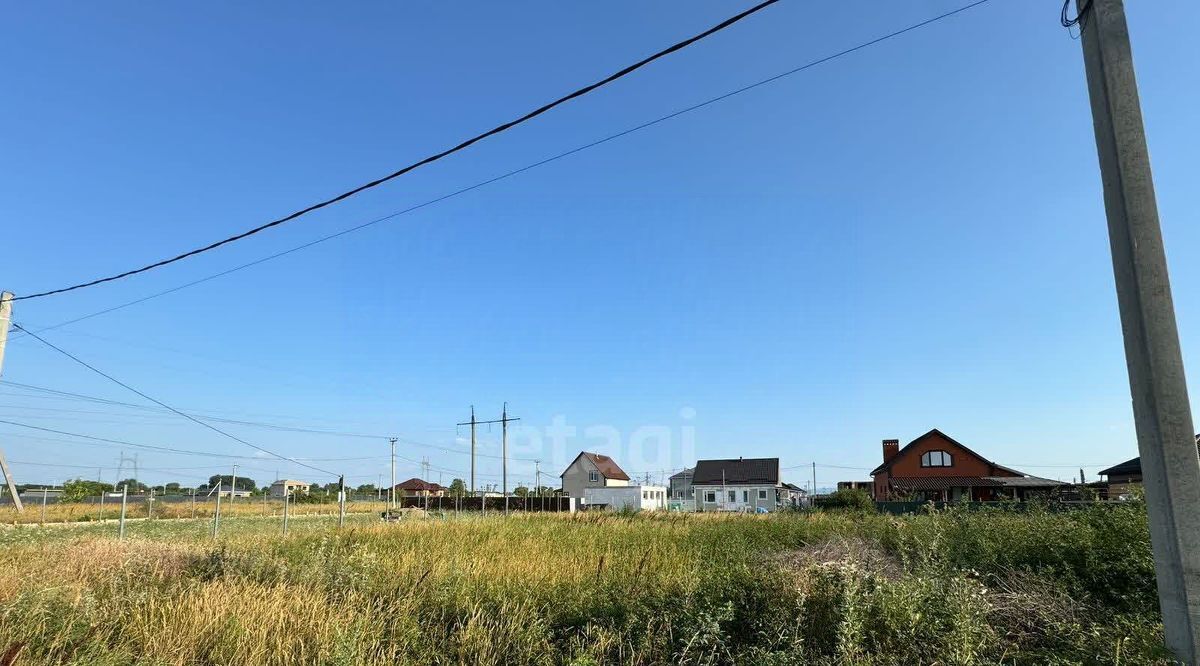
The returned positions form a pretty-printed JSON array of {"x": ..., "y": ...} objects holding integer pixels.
[
  {"x": 583, "y": 474},
  {"x": 644, "y": 498},
  {"x": 735, "y": 498}
]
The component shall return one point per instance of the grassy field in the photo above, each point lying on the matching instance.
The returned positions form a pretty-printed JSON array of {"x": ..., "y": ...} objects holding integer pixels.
[
  {"x": 958, "y": 587},
  {"x": 74, "y": 512}
]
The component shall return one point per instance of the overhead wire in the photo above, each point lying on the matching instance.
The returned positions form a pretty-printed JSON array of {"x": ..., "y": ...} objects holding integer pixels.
[
  {"x": 260, "y": 424},
  {"x": 528, "y": 167},
  {"x": 160, "y": 403},
  {"x": 427, "y": 160}
]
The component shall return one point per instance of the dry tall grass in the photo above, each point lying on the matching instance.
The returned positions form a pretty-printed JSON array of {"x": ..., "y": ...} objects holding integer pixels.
[
  {"x": 73, "y": 512},
  {"x": 550, "y": 589}
]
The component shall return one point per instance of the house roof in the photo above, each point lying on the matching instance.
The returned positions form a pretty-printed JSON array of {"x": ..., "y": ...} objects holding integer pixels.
[
  {"x": 419, "y": 484},
  {"x": 794, "y": 487},
  {"x": 737, "y": 471},
  {"x": 887, "y": 466},
  {"x": 1131, "y": 466},
  {"x": 1134, "y": 465},
  {"x": 684, "y": 474},
  {"x": 291, "y": 482},
  {"x": 608, "y": 467}
]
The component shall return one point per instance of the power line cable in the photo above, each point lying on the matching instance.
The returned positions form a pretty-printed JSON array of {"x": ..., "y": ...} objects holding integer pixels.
[
  {"x": 432, "y": 158},
  {"x": 518, "y": 171},
  {"x": 166, "y": 406},
  {"x": 259, "y": 424}
]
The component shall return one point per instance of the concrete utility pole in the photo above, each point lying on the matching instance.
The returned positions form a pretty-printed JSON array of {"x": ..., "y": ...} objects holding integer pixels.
[
  {"x": 1162, "y": 413},
  {"x": 814, "y": 492},
  {"x": 472, "y": 423},
  {"x": 503, "y": 421},
  {"x": 5, "y": 322}
]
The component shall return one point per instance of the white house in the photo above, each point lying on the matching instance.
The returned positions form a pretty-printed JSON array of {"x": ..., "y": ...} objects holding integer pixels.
[
  {"x": 616, "y": 498},
  {"x": 591, "y": 470},
  {"x": 742, "y": 484}
]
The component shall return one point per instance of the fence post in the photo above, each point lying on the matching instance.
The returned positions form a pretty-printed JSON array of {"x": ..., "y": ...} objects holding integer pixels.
[
  {"x": 124, "y": 496},
  {"x": 150, "y": 506},
  {"x": 193, "y": 503},
  {"x": 217, "y": 513},
  {"x": 43, "y": 504},
  {"x": 100, "y": 518},
  {"x": 286, "y": 494}
]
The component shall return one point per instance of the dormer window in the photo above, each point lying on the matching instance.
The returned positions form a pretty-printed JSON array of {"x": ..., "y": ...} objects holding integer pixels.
[{"x": 937, "y": 459}]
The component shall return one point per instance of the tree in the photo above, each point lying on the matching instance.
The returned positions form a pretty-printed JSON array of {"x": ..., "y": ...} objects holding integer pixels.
[
  {"x": 173, "y": 487},
  {"x": 458, "y": 488},
  {"x": 80, "y": 489},
  {"x": 133, "y": 485},
  {"x": 521, "y": 491},
  {"x": 243, "y": 482}
]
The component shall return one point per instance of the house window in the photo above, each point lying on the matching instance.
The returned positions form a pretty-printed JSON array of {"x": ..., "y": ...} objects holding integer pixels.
[
  {"x": 937, "y": 459},
  {"x": 593, "y": 476},
  {"x": 762, "y": 494},
  {"x": 733, "y": 496},
  {"x": 710, "y": 497},
  {"x": 645, "y": 494},
  {"x": 745, "y": 495}
]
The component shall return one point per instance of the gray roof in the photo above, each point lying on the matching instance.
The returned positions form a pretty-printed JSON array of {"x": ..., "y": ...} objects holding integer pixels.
[
  {"x": 737, "y": 471},
  {"x": 684, "y": 474},
  {"x": 1026, "y": 482}
]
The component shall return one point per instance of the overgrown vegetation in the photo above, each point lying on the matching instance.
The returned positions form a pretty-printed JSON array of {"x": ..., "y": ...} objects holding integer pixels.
[{"x": 954, "y": 587}]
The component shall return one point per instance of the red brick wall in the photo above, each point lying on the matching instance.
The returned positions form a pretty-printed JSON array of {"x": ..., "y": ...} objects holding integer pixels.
[{"x": 965, "y": 464}]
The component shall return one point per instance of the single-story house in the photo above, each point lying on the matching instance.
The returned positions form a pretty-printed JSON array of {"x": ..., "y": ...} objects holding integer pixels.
[
  {"x": 741, "y": 484},
  {"x": 591, "y": 470},
  {"x": 616, "y": 498}
]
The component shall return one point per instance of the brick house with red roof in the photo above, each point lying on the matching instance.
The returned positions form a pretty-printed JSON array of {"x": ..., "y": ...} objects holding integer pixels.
[
  {"x": 936, "y": 467},
  {"x": 415, "y": 487}
]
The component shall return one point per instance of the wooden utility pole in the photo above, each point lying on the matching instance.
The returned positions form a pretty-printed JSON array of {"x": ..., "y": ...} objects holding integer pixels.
[
  {"x": 5, "y": 322},
  {"x": 1161, "y": 410}
]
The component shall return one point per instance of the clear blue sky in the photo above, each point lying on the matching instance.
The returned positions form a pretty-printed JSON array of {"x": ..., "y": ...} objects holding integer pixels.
[{"x": 906, "y": 238}]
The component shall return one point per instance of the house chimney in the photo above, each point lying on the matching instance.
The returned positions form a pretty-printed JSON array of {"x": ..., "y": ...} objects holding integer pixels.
[{"x": 890, "y": 448}]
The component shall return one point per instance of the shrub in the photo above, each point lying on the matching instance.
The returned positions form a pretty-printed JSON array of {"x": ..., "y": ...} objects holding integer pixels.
[{"x": 848, "y": 499}]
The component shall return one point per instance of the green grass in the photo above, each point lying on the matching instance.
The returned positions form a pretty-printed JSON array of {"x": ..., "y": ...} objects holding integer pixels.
[{"x": 952, "y": 588}]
